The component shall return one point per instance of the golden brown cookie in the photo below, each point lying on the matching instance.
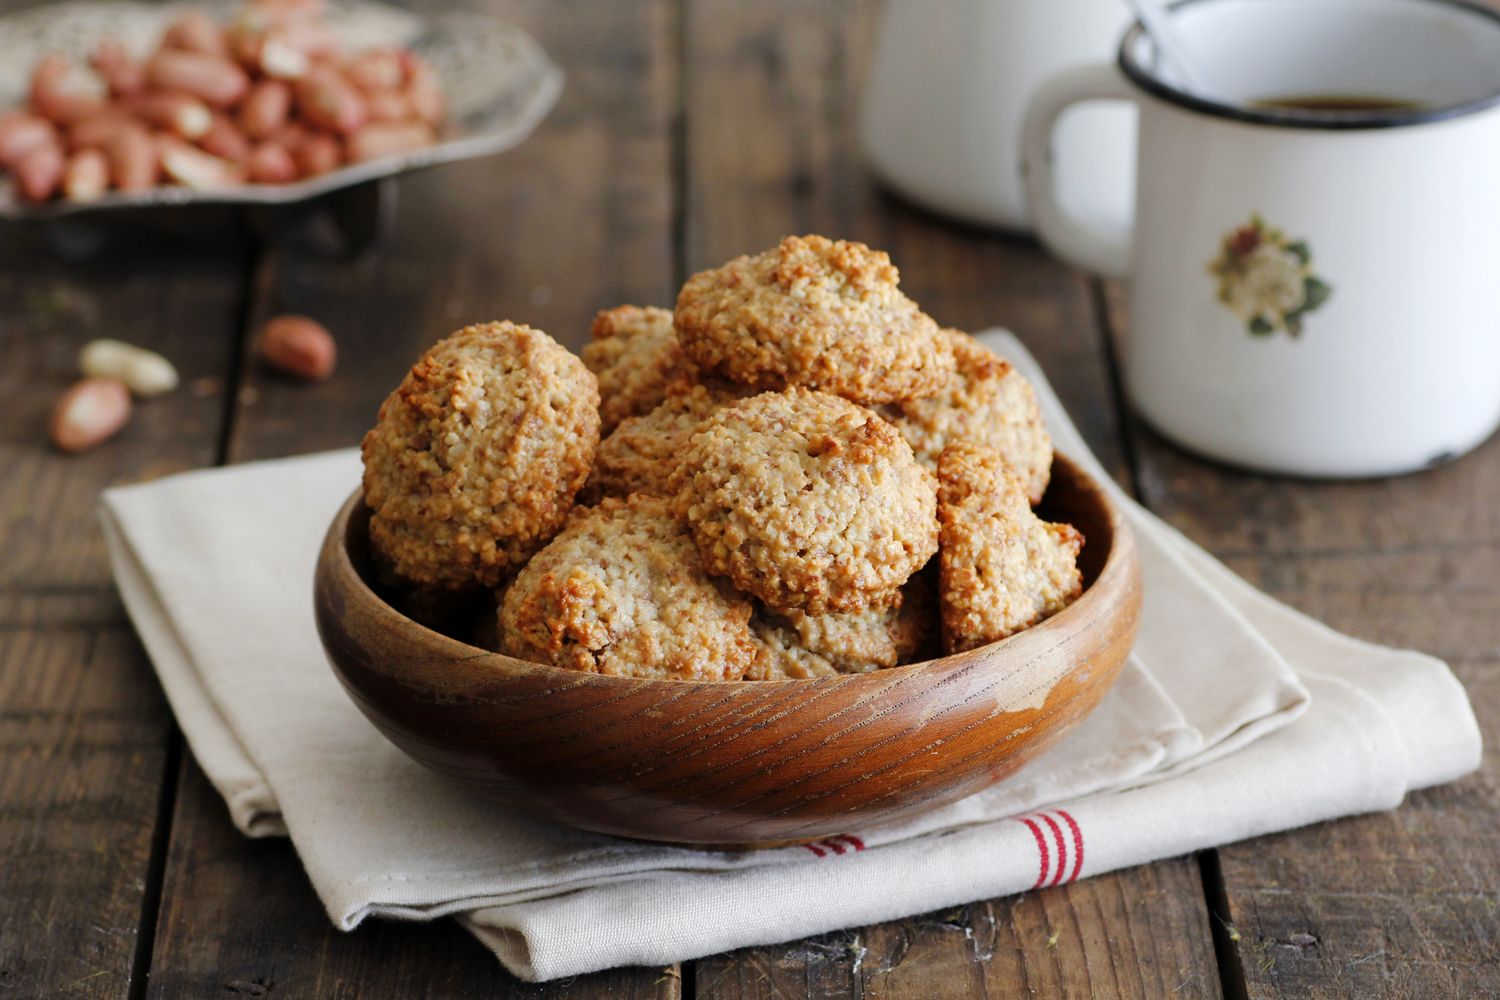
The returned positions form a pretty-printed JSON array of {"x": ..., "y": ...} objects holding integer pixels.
[
  {"x": 641, "y": 453},
  {"x": 635, "y": 354},
  {"x": 1002, "y": 568},
  {"x": 807, "y": 501},
  {"x": 986, "y": 402},
  {"x": 799, "y": 645},
  {"x": 620, "y": 591},
  {"x": 816, "y": 313},
  {"x": 474, "y": 460}
]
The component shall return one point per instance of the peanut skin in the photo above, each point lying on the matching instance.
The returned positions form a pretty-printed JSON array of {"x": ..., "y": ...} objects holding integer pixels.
[
  {"x": 224, "y": 140},
  {"x": 331, "y": 102},
  {"x": 39, "y": 172},
  {"x": 214, "y": 79},
  {"x": 265, "y": 109},
  {"x": 271, "y": 163},
  {"x": 376, "y": 71},
  {"x": 20, "y": 133},
  {"x": 120, "y": 71},
  {"x": 291, "y": 135},
  {"x": 389, "y": 106},
  {"x": 300, "y": 347},
  {"x": 388, "y": 139},
  {"x": 317, "y": 153},
  {"x": 57, "y": 97},
  {"x": 89, "y": 413},
  {"x": 134, "y": 163},
  {"x": 100, "y": 130},
  {"x": 195, "y": 31}
]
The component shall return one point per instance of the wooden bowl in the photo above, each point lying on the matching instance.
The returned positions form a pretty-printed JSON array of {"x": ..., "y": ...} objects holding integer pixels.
[{"x": 743, "y": 762}]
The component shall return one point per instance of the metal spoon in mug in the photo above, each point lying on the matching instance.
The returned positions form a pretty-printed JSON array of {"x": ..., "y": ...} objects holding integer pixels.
[{"x": 1156, "y": 17}]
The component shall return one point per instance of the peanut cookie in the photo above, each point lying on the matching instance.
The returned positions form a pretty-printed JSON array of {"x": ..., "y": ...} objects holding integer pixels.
[
  {"x": 620, "y": 591},
  {"x": 641, "y": 453},
  {"x": 474, "y": 460},
  {"x": 816, "y": 313},
  {"x": 1002, "y": 569},
  {"x": 635, "y": 354},
  {"x": 799, "y": 645},
  {"x": 986, "y": 402},
  {"x": 807, "y": 501}
]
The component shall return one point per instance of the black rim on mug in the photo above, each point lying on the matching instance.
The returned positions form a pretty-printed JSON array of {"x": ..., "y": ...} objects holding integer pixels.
[{"x": 1289, "y": 118}]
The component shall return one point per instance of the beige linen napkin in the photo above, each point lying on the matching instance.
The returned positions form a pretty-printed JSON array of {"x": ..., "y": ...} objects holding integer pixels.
[{"x": 1235, "y": 716}]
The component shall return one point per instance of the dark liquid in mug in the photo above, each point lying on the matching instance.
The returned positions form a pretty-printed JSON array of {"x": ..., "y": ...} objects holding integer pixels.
[{"x": 1337, "y": 102}]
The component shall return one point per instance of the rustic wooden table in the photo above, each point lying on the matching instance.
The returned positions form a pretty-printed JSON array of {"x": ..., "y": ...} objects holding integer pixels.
[{"x": 689, "y": 132}]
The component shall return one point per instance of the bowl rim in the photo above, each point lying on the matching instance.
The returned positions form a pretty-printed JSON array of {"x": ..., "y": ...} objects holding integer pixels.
[{"x": 1117, "y": 563}]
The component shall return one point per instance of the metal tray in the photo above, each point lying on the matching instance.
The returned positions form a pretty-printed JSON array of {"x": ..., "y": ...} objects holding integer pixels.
[{"x": 498, "y": 81}]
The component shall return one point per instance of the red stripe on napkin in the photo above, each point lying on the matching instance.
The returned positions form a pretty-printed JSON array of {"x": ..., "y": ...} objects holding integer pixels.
[
  {"x": 1041, "y": 846},
  {"x": 1077, "y": 843},
  {"x": 822, "y": 847},
  {"x": 1062, "y": 848}
]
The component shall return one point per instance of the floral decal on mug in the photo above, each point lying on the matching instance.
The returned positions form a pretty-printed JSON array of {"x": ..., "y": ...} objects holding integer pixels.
[{"x": 1267, "y": 279}]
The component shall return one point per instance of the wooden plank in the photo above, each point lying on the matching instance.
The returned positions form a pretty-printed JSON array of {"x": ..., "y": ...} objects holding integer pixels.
[
  {"x": 577, "y": 218},
  {"x": 239, "y": 919},
  {"x": 1107, "y": 936},
  {"x": 1398, "y": 904},
  {"x": 83, "y": 751},
  {"x": 49, "y": 308},
  {"x": 85, "y": 737},
  {"x": 785, "y": 160}
]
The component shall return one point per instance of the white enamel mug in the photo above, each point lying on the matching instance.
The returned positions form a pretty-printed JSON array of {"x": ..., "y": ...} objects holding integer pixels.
[{"x": 1311, "y": 292}]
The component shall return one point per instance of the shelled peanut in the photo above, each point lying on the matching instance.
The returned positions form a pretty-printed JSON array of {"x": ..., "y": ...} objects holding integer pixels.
[
  {"x": 299, "y": 347},
  {"x": 266, "y": 99},
  {"x": 91, "y": 412},
  {"x": 95, "y": 408}
]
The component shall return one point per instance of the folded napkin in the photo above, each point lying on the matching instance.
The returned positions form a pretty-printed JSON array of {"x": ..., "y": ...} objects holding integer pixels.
[{"x": 1235, "y": 716}]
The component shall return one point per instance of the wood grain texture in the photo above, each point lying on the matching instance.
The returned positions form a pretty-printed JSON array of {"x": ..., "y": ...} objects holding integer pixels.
[
  {"x": 270, "y": 936},
  {"x": 1397, "y": 904},
  {"x": 1108, "y": 937},
  {"x": 50, "y": 308},
  {"x": 85, "y": 737},
  {"x": 579, "y": 217},
  {"x": 83, "y": 749},
  {"x": 84, "y": 733},
  {"x": 787, "y": 160}
]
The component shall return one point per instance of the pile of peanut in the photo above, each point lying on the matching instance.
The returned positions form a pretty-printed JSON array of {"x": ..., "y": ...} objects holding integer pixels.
[{"x": 266, "y": 99}]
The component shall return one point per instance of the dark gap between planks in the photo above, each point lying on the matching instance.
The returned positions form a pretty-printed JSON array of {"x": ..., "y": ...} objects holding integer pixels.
[{"x": 254, "y": 283}]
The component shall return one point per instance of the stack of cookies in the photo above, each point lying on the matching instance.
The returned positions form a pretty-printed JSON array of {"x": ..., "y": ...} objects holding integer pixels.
[{"x": 796, "y": 473}]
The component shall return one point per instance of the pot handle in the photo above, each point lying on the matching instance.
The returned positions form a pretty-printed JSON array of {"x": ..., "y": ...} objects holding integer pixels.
[{"x": 1067, "y": 237}]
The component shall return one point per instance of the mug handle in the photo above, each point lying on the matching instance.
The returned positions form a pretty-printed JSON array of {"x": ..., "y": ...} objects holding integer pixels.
[{"x": 1067, "y": 237}]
